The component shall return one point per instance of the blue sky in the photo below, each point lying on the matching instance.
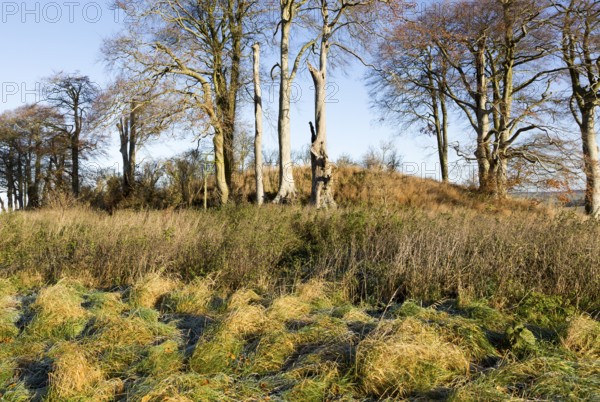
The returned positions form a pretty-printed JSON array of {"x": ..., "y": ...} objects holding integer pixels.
[{"x": 43, "y": 37}]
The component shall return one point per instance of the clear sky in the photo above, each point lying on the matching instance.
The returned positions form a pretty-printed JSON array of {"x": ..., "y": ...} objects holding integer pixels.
[{"x": 42, "y": 37}]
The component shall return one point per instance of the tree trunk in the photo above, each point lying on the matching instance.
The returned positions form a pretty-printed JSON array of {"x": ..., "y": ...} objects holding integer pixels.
[
  {"x": 258, "y": 160},
  {"x": 287, "y": 188},
  {"x": 10, "y": 183},
  {"x": 123, "y": 127},
  {"x": 322, "y": 183},
  {"x": 591, "y": 166},
  {"x": 20, "y": 183},
  {"x": 440, "y": 120},
  {"x": 34, "y": 193},
  {"x": 482, "y": 153},
  {"x": 222, "y": 188},
  {"x": 443, "y": 154},
  {"x": 133, "y": 138},
  {"x": 75, "y": 164}
]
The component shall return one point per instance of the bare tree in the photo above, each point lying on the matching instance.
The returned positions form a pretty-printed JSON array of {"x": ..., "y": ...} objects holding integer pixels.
[
  {"x": 200, "y": 45},
  {"x": 258, "y": 157},
  {"x": 141, "y": 110},
  {"x": 26, "y": 137},
  {"x": 289, "y": 10},
  {"x": 580, "y": 51},
  {"x": 73, "y": 95},
  {"x": 409, "y": 85}
]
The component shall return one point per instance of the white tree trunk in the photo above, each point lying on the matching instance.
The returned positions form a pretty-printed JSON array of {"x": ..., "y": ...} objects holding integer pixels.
[
  {"x": 258, "y": 159},
  {"x": 483, "y": 124},
  {"x": 287, "y": 188},
  {"x": 322, "y": 183},
  {"x": 591, "y": 166}
]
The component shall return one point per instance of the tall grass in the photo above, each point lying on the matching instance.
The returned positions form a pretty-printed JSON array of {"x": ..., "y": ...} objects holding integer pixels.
[{"x": 370, "y": 253}]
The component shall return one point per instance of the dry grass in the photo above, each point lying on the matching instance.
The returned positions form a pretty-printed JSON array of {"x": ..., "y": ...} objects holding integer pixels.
[
  {"x": 72, "y": 374},
  {"x": 407, "y": 356},
  {"x": 57, "y": 312},
  {"x": 583, "y": 337},
  {"x": 371, "y": 254},
  {"x": 148, "y": 291},
  {"x": 193, "y": 298},
  {"x": 310, "y": 345},
  {"x": 287, "y": 308},
  {"x": 287, "y": 303},
  {"x": 355, "y": 185}
]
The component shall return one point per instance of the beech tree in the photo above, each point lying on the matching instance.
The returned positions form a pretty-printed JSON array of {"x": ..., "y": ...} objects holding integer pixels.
[
  {"x": 73, "y": 95},
  {"x": 27, "y": 135},
  {"x": 409, "y": 85},
  {"x": 140, "y": 110},
  {"x": 200, "y": 45},
  {"x": 521, "y": 80},
  {"x": 579, "y": 27},
  {"x": 289, "y": 11}
]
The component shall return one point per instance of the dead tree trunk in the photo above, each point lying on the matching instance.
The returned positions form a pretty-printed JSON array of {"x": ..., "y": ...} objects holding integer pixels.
[
  {"x": 258, "y": 162},
  {"x": 322, "y": 183}
]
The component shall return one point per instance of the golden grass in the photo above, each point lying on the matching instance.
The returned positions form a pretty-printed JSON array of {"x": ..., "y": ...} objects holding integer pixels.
[
  {"x": 297, "y": 347},
  {"x": 406, "y": 356},
  {"x": 287, "y": 308},
  {"x": 148, "y": 291},
  {"x": 193, "y": 298},
  {"x": 355, "y": 185},
  {"x": 72, "y": 374},
  {"x": 583, "y": 337},
  {"x": 57, "y": 311}
]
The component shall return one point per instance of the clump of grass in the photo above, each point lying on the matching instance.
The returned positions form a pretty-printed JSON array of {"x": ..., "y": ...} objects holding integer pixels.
[
  {"x": 161, "y": 360},
  {"x": 538, "y": 378},
  {"x": 17, "y": 392},
  {"x": 583, "y": 337},
  {"x": 119, "y": 342},
  {"x": 323, "y": 329},
  {"x": 485, "y": 315},
  {"x": 242, "y": 298},
  {"x": 463, "y": 332},
  {"x": 219, "y": 350},
  {"x": 104, "y": 303},
  {"x": 314, "y": 291},
  {"x": 289, "y": 307},
  {"x": 406, "y": 356},
  {"x": 466, "y": 334},
  {"x": 9, "y": 312},
  {"x": 147, "y": 291},
  {"x": 194, "y": 298},
  {"x": 320, "y": 382},
  {"x": 72, "y": 374},
  {"x": 8, "y": 367},
  {"x": 181, "y": 388},
  {"x": 272, "y": 351},
  {"x": 409, "y": 309},
  {"x": 355, "y": 314},
  {"x": 57, "y": 313}
]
